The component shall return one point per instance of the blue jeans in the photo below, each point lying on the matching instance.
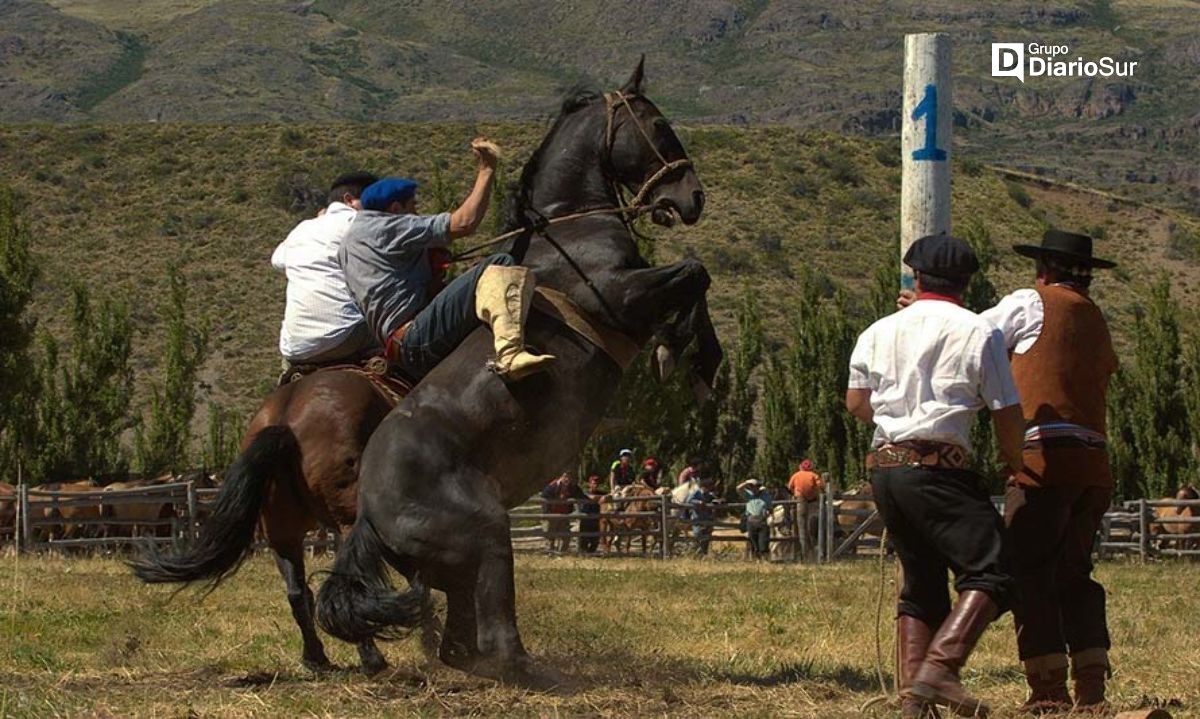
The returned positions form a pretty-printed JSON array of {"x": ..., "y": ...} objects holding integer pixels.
[{"x": 445, "y": 322}]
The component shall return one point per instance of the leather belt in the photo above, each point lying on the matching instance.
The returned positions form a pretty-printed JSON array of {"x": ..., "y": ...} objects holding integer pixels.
[{"x": 918, "y": 453}]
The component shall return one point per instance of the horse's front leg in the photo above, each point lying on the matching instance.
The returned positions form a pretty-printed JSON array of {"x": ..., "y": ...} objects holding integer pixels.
[{"x": 670, "y": 303}]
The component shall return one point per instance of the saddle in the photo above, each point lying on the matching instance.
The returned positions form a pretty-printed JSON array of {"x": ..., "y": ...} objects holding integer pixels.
[{"x": 391, "y": 387}]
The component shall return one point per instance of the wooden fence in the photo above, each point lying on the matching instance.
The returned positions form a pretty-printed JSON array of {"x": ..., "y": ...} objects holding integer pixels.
[{"x": 835, "y": 526}]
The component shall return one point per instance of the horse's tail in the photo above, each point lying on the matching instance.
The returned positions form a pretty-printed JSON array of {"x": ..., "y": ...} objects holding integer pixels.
[
  {"x": 228, "y": 533},
  {"x": 357, "y": 601}
]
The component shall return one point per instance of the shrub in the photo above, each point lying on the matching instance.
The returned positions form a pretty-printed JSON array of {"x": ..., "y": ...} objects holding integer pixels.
[{"x": 1018, "y": 193}]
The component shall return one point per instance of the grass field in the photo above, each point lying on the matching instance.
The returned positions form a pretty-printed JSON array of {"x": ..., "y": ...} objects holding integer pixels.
[{"x": 640, "y": 638}]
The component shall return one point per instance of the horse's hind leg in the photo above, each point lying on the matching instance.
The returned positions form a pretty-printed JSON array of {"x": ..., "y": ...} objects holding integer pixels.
[
  {"x": 289, "y": 557},
  {"x": 460, "y": 648}
]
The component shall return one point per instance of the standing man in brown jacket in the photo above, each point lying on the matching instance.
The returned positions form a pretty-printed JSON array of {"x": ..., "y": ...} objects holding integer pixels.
[{"x": 1062, "y": 359}]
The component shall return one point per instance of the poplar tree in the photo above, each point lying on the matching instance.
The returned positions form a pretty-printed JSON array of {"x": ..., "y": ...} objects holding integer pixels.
[
  {"x": 18, "y": 270},
  {"x": 164, "y": 442}
]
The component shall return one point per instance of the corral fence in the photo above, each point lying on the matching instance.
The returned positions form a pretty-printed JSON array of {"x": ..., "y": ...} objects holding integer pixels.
[
  {"x": 106, "y": 518},
  {"x": 836, "y": 526},
  {"x": 832, "y": 527}
]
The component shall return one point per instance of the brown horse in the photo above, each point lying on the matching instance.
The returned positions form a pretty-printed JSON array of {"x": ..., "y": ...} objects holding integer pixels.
[
  {"x": 8, "y": 510},
  {"x": 617, "y": 528},
  {"x": 74, "y": 522},
  {"x": 297, "y": 471},
  {"x": 441, "y": 472},
  {"x": 1165, "y": 529}
]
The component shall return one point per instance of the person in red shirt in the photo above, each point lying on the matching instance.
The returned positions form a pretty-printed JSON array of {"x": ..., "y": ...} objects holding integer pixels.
[{"x": 806, "y": 486}]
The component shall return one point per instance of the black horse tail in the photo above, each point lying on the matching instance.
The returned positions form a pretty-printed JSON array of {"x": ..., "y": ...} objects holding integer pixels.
[
  {"x": 228, "y": 534},
  {"x": 357, "y": 601}
]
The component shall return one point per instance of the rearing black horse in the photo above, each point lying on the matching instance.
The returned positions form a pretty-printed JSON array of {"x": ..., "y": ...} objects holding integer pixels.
[{"x": 441, "y": 471}]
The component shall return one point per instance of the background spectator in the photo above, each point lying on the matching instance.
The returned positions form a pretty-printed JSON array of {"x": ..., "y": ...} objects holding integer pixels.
[
  {"x": 700, "y": 512},
  {"x": 754, "y": 517},
  {"x": 622, "y": 473},
  {"x": 558, "y": 498},
  {"x": 806, "y": 486},
  {"x": 591, "y": 523}
]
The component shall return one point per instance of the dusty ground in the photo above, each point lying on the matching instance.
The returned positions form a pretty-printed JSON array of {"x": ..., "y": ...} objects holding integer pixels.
[{"x": 641, "y": 638}]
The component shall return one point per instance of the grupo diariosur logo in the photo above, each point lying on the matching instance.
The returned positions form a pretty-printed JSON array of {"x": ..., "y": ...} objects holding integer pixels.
[{"x": 1021, "y": 60}]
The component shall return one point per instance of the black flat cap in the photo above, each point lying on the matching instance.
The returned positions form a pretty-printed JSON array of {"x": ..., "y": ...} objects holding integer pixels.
[
  {"x": 356, "y": 179},
  {"x": 942, "y": 256}
]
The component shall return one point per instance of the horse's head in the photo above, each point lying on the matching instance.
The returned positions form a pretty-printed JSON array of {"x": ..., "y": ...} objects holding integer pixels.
[
  {"x": 646, "y": 157},
  {"x": 1187, "y": 492}
]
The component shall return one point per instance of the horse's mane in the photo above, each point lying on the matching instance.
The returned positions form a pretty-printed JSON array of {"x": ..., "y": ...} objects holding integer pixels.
[{"x": 575, "y": 98}]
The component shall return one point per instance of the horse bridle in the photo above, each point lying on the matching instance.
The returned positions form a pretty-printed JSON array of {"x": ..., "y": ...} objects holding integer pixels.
[{"x": 613, "y": 102}]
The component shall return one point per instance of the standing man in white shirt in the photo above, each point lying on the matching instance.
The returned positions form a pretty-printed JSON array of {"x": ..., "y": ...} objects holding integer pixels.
[
  {"x": 1062, "y": 361},
  {"x": 920, "y": 376},
  {"x": 322, "y": 324}
]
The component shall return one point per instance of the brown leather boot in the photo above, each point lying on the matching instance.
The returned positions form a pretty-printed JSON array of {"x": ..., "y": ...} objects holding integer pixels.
[
  {"x": 1090, "y": 669},
  {"x": 1047, "y": 679},
  {"x": 912, "y": 640},
  {"x": 937, "y": 680}
]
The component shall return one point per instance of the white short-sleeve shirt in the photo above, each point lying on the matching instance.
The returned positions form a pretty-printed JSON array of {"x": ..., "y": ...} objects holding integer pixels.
[
  {"x": 930, "y": 368},
  {"x": 320, "y": 312}
]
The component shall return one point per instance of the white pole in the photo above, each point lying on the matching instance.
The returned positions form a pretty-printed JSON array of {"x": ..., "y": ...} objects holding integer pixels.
[{"x": 925, "y": 142}]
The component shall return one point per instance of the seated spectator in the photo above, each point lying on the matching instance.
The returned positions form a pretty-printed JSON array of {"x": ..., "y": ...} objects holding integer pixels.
[
  {"x": 590, "y": 507},
  {"x": 559, "y": 497},
  {"x": 700, "y": 513},
  {"x": 622, "y": 473},
  {"x": 650, "y": 473},
  {"x": 754, "y": 517}
]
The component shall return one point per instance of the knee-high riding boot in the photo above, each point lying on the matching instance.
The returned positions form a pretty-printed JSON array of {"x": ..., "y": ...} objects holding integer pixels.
[
  {"x": 937, "y": 681},
  {"x": 503, "y": 296}
]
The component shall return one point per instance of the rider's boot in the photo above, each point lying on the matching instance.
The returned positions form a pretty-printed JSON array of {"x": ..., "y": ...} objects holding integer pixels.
[
  {"x": 1047, "y": 679},
  {"x": 1090, "y": 669},
  {"x": 503, "y": 296},
  {"x": 913, "y": 637}
]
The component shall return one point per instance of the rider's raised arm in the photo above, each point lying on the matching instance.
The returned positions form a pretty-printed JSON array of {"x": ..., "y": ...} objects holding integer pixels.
[{"x": 466, "y": 219}]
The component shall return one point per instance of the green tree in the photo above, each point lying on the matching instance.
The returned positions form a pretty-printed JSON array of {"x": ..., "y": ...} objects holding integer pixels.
[
  {"x": 163, "y": 444},
  {"x": 18, "y": 270},
  {"x": 80, "y": 399},
  {"x": 225, "y": 430},
  {"x": 1150, "y": 438},
  {"x": 736, "y": 444}
]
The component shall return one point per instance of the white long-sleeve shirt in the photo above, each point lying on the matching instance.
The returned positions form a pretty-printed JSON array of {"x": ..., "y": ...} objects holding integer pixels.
[
  {"x": 320, "y": 312},
  {"x": 1020, "y": 317}
]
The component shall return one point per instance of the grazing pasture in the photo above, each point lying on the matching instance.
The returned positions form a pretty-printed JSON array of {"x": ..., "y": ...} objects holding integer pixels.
[{"x": 80, "y": 637}]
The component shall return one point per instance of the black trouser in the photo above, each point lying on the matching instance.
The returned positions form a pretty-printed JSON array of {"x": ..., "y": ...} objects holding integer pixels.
[
  {"x": 940, "y": 520},
  {"x": 588, "y": 545},
  {"x": 1051, "y": 531},
  {"x": 759, "y": 537}
]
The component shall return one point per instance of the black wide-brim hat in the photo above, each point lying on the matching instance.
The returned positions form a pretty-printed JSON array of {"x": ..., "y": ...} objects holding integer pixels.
[{"x": 1068, "y": 247}]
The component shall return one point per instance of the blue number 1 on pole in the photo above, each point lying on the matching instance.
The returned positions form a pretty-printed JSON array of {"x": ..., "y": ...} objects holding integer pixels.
[{"x": 928, "y": 109}]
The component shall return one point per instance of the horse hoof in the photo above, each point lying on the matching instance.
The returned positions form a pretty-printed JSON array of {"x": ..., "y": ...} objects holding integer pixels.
[
  {"x": 373, "y": 669},
  {"x": 319, "y": 665}
]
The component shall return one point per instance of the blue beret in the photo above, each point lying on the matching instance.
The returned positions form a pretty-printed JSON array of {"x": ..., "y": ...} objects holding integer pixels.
[{"x": 380, "y": 195}]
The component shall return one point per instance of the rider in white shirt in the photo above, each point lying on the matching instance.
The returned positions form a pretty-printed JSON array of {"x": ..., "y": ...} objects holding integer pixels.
[{"x": 321, "y": 321}]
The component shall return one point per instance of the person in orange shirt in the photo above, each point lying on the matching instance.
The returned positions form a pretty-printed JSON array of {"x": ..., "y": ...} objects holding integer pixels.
[{"x": 806, "y": 486}]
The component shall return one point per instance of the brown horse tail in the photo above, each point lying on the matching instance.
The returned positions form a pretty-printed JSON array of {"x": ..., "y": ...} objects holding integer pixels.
[
  {"x": 357, "y": 601},
  {"x": 227, "y": 535}
]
